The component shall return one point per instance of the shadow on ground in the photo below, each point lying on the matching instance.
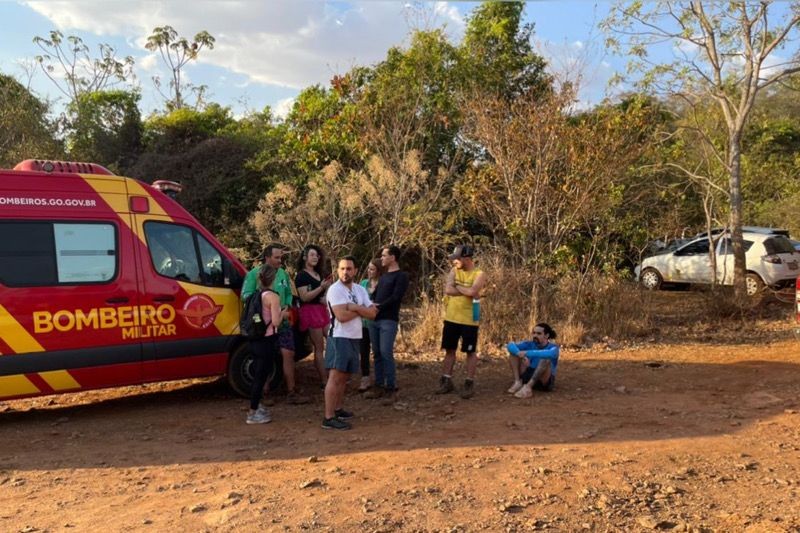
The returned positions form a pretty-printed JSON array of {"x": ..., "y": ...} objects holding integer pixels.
[{"x": 596, "y": 400}]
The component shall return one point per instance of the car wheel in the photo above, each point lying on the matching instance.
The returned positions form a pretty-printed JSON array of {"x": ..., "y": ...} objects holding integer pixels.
[
  {"x": 651, "y": 279},
  {"x": 241, "y": 371},
  {"x": 753, "y": 283}
]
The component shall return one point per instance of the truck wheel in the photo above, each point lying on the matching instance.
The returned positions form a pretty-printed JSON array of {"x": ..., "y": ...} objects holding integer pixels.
[
  {"x": 240, "y": 371},
  {"x": 753, "y": 283},
  {"x": 651, "y": 279}
]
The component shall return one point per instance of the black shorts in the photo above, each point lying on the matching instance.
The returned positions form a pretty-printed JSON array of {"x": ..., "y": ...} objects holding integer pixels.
[
  {"x": 538, "y": 385},
  {"x": 468, "y": 335}
]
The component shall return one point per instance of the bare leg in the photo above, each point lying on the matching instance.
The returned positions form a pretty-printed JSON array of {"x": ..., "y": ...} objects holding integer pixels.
[
  {"x": 542, "y": 372},
  {"x": 288, "y": 368},
  {"x": 513, "y": 363},
  {"x": 318, "y": 340},
  {"x": 449, "y": 362},
  {"x": 334, "y": 392},
  {"x": 472, "y": 364}
]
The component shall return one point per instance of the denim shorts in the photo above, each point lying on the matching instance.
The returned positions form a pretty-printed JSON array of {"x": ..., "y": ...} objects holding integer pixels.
[
  {"x": 286, "y": 337},
  {"x": 343, "y": 354}
]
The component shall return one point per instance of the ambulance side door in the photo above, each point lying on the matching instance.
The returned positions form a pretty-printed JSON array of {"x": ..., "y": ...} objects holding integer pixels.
[{"x": 194, "y": 314}]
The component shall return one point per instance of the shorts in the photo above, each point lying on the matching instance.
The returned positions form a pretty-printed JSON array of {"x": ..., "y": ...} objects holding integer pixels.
[
  {"x": 343, "y": 354},
  {"x": 286, "y": 337},
  {"x": 468, "y": 335},
  {"x": 546, "y": 387},
  {"x": 313, "y": 316}
]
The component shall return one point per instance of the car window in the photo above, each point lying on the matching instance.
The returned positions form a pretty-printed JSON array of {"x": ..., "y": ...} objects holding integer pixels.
[
  {"x": 778, "y": 245},
  {"x": 695, "y": 248},
  {"x": 726, "y": 246},
  {"x": 57, "y": 253}
]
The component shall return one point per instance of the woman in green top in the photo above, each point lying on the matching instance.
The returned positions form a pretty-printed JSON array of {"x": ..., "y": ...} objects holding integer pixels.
[{"x": 374, "y": 271}]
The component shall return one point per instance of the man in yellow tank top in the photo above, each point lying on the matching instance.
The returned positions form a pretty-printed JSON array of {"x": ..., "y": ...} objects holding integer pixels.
[{"x": 462, "y": 289}]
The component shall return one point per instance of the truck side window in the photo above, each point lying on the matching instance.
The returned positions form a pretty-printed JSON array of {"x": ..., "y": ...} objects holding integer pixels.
[
  {"x": 181, "y": 253},
  {"x": 45, "y": 253},
  {"x": 172, "y": 251},
  {"x": 211, "y": 260}
]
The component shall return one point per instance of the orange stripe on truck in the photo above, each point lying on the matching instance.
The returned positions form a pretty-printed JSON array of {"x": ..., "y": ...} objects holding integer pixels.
[{"x": 15, "y": 336}]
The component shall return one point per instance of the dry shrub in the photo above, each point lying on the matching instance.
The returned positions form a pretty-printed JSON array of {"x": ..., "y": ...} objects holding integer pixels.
[{"x": 581, "y": 308}]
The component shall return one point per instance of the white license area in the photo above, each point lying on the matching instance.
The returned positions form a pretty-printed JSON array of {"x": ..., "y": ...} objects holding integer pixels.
[{"x": 792, "y": 265}]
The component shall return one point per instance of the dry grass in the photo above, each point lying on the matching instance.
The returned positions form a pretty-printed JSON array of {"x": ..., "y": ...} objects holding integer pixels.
[{"x": 580, "y": 309}]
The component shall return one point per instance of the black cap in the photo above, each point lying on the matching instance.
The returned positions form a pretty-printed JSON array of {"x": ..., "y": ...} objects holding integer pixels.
[{"x": 462, "y": 250}]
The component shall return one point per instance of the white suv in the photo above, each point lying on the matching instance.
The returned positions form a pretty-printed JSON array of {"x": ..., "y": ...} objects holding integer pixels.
[{"x": 769, "y": 255}]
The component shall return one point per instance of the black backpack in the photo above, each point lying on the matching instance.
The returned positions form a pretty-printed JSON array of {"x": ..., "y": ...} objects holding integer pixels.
[{"x": 252, "y": 324}]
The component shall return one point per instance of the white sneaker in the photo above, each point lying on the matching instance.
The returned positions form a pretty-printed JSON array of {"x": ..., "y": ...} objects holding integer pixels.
[
  {"x": 259, "y": 416},
  {"x": 524, "y": 392},
  {"x": 364, "y": 385},
  {"x": 515, "y": 387}
]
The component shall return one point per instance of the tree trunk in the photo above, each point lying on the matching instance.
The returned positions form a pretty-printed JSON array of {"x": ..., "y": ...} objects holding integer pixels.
[{"x": 739, "y": 264}]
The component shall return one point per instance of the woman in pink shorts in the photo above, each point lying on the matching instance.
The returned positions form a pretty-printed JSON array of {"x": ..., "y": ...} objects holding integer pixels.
[{"x": 312, "y": 281}]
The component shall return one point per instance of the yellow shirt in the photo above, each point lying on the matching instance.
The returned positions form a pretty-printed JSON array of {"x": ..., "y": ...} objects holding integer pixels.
[{"x": 458, "y": 309}]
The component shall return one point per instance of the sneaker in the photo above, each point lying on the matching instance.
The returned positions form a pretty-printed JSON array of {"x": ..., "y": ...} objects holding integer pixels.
[
  {"x": 375, "y": 392},
  {"x": 469, "y": 389},
  {"x": 364, "y": 384},
  {"x": 264, "y": 412},
  {"x": 258, "y": 417},
  {"x": 445, "y": 385},
  {"x": 335, "y": 423},
  {"x": 295, "y": 398},
  {"x": 515, "y": 387},
  {"x": 341, "y": 414},
  {"x": 524, "y": 392}
]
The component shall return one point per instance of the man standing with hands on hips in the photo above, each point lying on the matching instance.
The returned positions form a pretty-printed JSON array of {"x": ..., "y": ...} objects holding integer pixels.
[
  {"x": 462, "y": 291},
  {"x": 348, "y": 303}
]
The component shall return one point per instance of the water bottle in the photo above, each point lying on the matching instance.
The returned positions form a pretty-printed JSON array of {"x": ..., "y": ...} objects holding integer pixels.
[{"x": 476, "y": 309}]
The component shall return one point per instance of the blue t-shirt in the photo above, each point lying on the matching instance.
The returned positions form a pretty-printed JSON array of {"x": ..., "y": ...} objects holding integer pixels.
[{"x": 536, "y": 353}]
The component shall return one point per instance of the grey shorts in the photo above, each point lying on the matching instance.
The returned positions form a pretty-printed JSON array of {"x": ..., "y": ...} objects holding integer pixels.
[{"x": 343, "y": 354}]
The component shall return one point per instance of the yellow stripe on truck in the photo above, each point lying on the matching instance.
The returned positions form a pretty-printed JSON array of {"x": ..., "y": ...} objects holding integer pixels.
[
  {"x": 60, "y": 380},
  {"x": 227, "y": 321},
  {"x": 135, "y": 189},
  {"x": 17, "y": 385},
  {"x": 17, "y": 337}
]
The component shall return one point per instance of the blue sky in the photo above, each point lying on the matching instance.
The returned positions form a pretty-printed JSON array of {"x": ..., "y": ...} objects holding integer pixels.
[{"x": 266, "y": 52}]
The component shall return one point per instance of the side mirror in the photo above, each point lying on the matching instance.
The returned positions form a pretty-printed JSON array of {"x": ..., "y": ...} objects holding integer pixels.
[{"x": 232, "y": 277}]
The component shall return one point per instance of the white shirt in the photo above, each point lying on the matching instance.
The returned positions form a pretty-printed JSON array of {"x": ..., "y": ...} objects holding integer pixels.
[{"x": 339, "y": 294}]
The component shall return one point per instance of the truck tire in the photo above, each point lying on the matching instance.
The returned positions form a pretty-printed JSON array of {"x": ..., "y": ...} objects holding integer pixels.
[{"x": 240, "y": 371}]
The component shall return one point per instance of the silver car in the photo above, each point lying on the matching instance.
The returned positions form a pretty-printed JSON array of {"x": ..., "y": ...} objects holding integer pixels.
[{"x": 770, "y": 257}]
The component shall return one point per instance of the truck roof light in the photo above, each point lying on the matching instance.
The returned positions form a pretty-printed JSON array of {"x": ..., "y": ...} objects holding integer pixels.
[{"x": 62, "y": 167}]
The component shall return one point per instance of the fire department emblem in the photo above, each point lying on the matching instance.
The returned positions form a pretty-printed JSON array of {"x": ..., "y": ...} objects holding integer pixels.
[{"x": 199, "y": 311}]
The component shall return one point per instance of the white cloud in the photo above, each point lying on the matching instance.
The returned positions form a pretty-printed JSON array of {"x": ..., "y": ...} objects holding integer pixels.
[
  {"x": 285, "y": 43},
  {"x": 148, "y": 63},
  {"x": 283, "y": 107}
]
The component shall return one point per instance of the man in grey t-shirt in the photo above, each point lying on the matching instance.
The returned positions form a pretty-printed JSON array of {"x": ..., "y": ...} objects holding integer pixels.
[{"x": 348, "y": 303}]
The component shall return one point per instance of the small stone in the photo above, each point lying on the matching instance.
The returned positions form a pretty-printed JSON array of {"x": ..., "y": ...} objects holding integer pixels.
[
  {"x": 311, "y": 483},
  {"x": 621, "y": 389},
  {"x": 647, "y": 522},
  {"x": 199, "y": 508},
  {"x": 147, "y": 521},
  {"x": 235, "y": 496},
  {"x": 313, "y": 459}
]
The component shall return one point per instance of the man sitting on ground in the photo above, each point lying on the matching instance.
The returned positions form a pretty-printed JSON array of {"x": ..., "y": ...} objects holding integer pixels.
[{"x": 534, "y": 363}]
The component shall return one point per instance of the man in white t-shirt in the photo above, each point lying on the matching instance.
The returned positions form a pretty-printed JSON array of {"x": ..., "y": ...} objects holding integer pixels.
[{"x": 348, "y": 303}]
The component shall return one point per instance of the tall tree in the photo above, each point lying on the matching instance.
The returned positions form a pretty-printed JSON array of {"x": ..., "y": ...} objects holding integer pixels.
[
  {"x": 69, "y": 64},
  {"x": 176, "y": 52},
  {"x": 25, "y": 130},
  {"x": 729, "y": 51},
  {"x": 497, "y": 53},
  {"x": 106, "y": 127}
]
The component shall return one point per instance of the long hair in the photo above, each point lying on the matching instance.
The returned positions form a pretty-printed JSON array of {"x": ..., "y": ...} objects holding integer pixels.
[
  {"x": 378, "y": 266},
  {"x": 319, "y": 268}
]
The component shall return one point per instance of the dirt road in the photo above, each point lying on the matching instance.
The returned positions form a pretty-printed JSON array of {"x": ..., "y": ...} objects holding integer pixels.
[{"x": 673, "y": 437}]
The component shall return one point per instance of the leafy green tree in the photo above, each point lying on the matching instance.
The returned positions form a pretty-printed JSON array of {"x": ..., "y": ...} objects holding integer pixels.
[
  {"x": 105, "y": 127},
  {"x": 176, "y": 52},
  {"x": 497, "y": 55},
  {"x": 25, "y": 130}
]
